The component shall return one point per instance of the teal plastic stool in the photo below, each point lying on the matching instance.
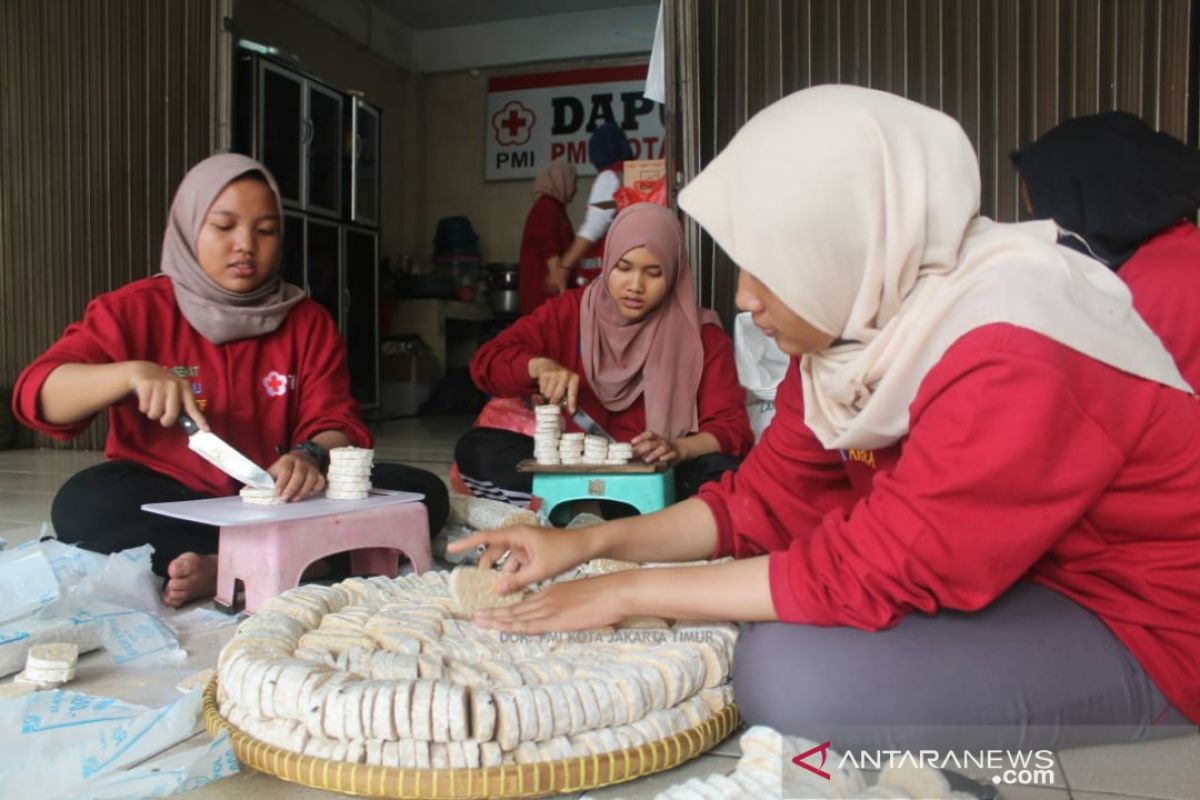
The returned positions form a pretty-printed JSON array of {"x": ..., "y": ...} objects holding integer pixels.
[{"x": 646, "y": 492}]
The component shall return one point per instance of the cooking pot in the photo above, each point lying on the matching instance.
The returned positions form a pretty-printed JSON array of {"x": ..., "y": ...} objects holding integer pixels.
[{"x": 502, "y": 281}]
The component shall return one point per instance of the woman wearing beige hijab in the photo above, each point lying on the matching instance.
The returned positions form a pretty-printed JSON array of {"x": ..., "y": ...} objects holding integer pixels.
[
  {"x": 546, "y": 236},
  {"x": 217, "y": 335},
  {"x": 978, "y": 503}
]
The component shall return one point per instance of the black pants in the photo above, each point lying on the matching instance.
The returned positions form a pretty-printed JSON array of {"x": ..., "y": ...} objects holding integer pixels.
[
  {"x": 99, "y": 509},
  {"x": 487, "y": 460}
]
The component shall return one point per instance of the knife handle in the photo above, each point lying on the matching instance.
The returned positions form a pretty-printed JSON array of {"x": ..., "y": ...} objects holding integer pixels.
[{"x": 188, "y": 424}]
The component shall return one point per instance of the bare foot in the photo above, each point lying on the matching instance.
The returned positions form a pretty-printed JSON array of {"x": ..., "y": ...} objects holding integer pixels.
[{"x": 190, "y": 577}]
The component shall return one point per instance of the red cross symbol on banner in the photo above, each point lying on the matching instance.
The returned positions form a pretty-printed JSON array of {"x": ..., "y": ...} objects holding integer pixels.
[{"x": 513, "y": 124}]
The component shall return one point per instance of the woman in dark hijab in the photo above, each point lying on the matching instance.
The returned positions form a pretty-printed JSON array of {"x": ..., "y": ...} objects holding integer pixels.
[
  {"x": 608, "y": 145},
  {"x": 608, "y": 150},
  {"x": 1127, "y": 195}
]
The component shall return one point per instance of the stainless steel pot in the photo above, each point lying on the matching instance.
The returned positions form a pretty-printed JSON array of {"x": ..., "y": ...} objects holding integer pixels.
[{"x": 503, "y": 282}]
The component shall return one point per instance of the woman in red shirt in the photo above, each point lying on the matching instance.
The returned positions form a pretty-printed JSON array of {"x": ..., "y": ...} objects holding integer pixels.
[
  {"x": 547, "y": 235},
  {"x": 632, "y": 350},
  {"x": 975, "y": 518},
  {"x": 218, "y": 335}
]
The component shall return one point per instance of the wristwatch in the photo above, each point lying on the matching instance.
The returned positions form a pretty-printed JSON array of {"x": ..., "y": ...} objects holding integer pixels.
[{"x": 319, "y": 454}]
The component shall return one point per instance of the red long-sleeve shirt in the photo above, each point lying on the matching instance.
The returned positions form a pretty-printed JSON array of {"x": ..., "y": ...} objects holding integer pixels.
[
  {"x": 547, "y": 233},
  {"x": 1024, "y": 459},
  {"x": 277, "y": 389},
  {"x": 501, "y": 367},
  {"x": 1164, "y": 278}
]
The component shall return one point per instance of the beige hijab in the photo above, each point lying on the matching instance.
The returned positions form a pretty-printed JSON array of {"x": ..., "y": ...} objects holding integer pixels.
[
  {"x": 217, "y": 313},
  {"x": 859, "y": 210},
  {"x": 556, "y": 179}
]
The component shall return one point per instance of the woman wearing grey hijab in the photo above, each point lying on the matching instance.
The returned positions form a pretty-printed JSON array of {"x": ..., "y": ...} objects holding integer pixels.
[{"x": 218, "y": 336}]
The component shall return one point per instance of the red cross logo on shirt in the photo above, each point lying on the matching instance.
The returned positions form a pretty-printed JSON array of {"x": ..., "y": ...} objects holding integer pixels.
[
  {"x": 513, "y": 124},
  {"x": 275, "y": 384}
]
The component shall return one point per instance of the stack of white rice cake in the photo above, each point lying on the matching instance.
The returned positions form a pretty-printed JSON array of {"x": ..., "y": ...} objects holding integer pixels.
[
  {"x": 388, "y": 672},
  {"x": 349, "y": 475},
  {"x": 547, "y": 434},
  {"x": 260, "y": 497},
  {"x": 598, "y": 450},
  {"x": 49, "y": 665},
  {"x": 552, "y": 446}
]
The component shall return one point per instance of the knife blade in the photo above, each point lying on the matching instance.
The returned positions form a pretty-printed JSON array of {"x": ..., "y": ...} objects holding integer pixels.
[
  {"x": 223, "y": 456},
  {"x": 589, "y": 425}
]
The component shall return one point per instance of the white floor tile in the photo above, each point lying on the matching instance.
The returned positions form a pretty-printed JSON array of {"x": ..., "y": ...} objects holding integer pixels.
[
  {"x": 1167, "y": 769},
  {"x": 1058, "y": 778},
  {"x": 1034, "y": 793},
  {"x": 29, "y": 508}
]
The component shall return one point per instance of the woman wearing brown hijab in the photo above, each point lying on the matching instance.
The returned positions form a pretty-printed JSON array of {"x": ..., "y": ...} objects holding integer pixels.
[
  {"x": 547, "y": 234},
  {"x": 634, "y": 351},
  {"x": 219, "y": 336}
]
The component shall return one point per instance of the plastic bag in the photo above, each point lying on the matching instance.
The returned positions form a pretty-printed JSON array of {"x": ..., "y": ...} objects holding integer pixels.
[
  {"x": 508, "y": 414},
  {"x": 654, "y": 191},
  {"x": 761, "y": 365}
]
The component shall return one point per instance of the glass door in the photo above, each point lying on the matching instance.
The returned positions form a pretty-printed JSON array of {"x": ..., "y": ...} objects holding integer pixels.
[
  {"x": 324, "y": 176},
  {"x": 291, "y": 268},
  {"x": 360, "y": 266},
  {"x": 364, "y": 166},
  {"x": 324, "y": 257},
  {"x": 282, "y": 130}
]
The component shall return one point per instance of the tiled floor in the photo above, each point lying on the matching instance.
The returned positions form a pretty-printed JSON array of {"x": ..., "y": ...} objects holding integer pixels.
[{"x": 1167, "y": 770}]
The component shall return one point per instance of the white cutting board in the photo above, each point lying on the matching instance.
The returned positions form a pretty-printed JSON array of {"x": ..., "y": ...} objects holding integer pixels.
[{"x": 222, "y": 511}]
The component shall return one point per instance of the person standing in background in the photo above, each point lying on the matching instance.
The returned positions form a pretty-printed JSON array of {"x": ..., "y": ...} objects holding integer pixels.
[
  {"x": 608, "y": 150},
  {"x": 547, "y": 235}
]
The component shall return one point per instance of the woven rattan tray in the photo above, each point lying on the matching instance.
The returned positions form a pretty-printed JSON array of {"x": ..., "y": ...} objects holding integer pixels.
[{"x": 515, "y": 780}]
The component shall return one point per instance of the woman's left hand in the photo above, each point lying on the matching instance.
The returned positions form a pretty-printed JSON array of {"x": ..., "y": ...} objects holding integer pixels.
[
  {"x": 297, "y": 476},
  {"x": 654, "y": 449},
  {"x": 568, "y": 606}
]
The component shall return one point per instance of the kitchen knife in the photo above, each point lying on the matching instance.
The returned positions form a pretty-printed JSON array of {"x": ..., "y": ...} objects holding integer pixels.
[
  {"x": 221, "y": 455},
  {"x": 589, "y": 425}
]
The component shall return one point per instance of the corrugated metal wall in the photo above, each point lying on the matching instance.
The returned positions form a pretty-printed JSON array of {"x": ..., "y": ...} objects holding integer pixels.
[
  {"x": 103, "y": 106},
  {"x": 1006, "y": 69}
]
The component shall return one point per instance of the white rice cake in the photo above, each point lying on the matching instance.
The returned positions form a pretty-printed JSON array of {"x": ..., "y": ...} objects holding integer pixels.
[
  {"x": 259, "y": 497},
  {"x": 471, "y": 589}
]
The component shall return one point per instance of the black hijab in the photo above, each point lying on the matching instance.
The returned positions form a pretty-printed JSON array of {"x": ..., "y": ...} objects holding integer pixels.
[
  {"x": 608, "y": 145},
  {"x": 1112, "y": 180}
]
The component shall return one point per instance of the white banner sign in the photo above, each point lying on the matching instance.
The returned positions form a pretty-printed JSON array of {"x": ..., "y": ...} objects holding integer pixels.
[{"x": 534, "y": 119}]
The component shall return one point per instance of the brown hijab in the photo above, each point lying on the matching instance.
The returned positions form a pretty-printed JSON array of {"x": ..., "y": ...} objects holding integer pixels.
[
  {"x": 217, "y": 313},
  {"x": 556, "y": 179},
  {"x": 660, "y": 356}
]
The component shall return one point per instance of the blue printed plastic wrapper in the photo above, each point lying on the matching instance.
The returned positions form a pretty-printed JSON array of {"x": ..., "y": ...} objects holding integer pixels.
[
  {"x": 68, "y": 741},
  {"x": 188, "y": 768},
  {"x": 135, "y": 637}
]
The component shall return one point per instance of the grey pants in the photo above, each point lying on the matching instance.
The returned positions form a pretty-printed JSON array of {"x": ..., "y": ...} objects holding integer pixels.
[{"x": 1034, "y": 669}]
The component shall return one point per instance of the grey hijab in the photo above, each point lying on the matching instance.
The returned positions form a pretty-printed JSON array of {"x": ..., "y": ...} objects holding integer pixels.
[{"x": 217, "y": 313}]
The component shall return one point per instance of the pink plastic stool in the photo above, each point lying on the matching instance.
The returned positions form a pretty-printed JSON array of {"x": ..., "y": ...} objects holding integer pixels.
[{"x": 269, "y": 558}]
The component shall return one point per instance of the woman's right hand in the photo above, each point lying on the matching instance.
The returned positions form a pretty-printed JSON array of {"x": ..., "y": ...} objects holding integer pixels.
[
  {"x": 556, "y": 383},
  {"x": 162, "y": 394},
  {"x": 534, "y": 554}
]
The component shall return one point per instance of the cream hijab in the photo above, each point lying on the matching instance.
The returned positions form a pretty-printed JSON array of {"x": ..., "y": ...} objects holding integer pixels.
[
  {"x": 859, "y": 210},
  {"x": 556, "y": 179}
]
